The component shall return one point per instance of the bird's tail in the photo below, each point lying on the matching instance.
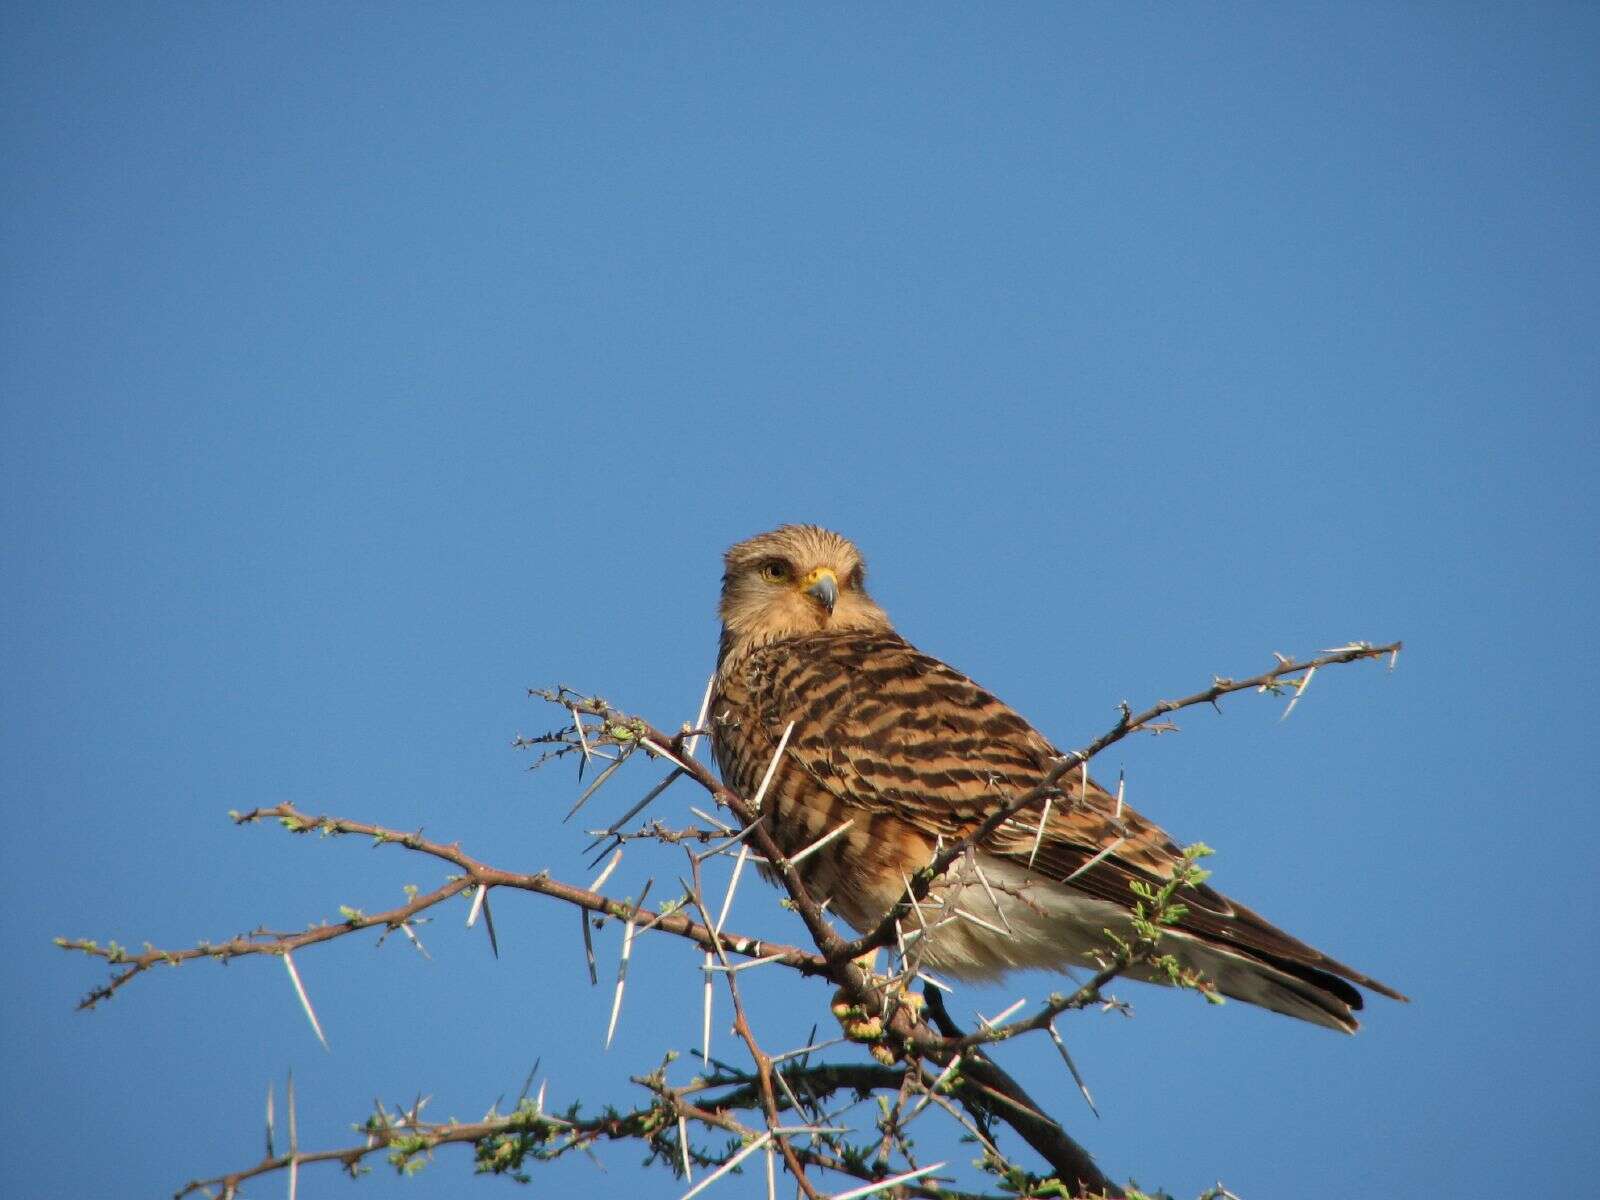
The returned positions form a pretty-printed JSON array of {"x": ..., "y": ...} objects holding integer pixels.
[{"x": 1292, "y": 988}]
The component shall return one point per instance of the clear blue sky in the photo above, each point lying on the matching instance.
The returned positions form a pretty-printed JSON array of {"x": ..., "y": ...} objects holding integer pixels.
[{"x": 366, "y": 364}]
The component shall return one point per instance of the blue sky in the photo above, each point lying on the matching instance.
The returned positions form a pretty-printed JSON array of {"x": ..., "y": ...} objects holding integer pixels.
[{"x": 365, "y": 365}]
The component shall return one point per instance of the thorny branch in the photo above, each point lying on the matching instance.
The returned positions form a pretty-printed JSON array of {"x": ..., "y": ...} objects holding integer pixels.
[
  {"x": 923, "y": 1058},
  {"x": 505, "y": 1143},
  {"x": 985, "y": 1088},
  {"x": 475, "y": 874}
]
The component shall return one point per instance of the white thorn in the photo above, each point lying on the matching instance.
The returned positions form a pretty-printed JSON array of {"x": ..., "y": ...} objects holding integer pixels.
[
  {"x": 856, "y": 1193},
  {"x": 1000, "y": 1018},
  {"x": 700, "y": 719},
  {"x": 933, "y": 1089},
  {"x": 733, "y": 885},
  {"x": 1305, "y": 682},
  {"x": 1038, "y": 837},
  {"x": 972, "y": 861},
  {"x": 820, "y": 843},
  {"x": 405, "y": 928},
  {"x": 683, "y": 1136},
  {"x": 796, "y": 1053},
  {"x": 705, "y": 1031},
  {"x": 771, "y": 767},
  {"x": 728, "y": 1166},
  {"x": 1073, "y": 1067},
  {"x": 583, "y": 741},
  {"x": 605, "y": 874},
  {"x": 753, "y": 962},
  {"x": 981, "y": 923},
  {"x": 705, "y": 816},
  {"x": 662, "y": 752},
  {"x": 622, "y": 979},
  {"x": 305, "y": 1001},
  {"x": 1111, "y": 849}
]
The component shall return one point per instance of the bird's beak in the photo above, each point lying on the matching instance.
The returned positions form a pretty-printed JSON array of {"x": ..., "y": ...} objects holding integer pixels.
[{"x": 822, "y": 585}]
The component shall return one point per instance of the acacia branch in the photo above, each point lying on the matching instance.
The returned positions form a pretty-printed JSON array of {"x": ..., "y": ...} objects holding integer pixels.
[
  {"x": 986, "y": 1088},
  {"x": 923, "y": 1041},
  {"x": 504, "y": 1142},
  {"x": 474, "y": 874},
  {"x": 741, "y": 1024}
]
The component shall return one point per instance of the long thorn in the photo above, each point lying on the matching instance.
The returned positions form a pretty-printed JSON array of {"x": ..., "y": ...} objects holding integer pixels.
[
  {"x": 1111, "y": 849},
  {"x": 622, "y": 980},
  {"x": 728, "y": 1166},
  {"x": 711, "y": 820},
  {"x": 933, "y": 1088},
  {"x": 1072, "y": 1067},
  {"x": 733, "y": 885},
  {"x": 661, "y": 751},
  {"x": 583, "y": 743},
  {"x": 1305, "y": 682},
  {"x": 999, "y": 1018},
  {"x": 713, "y": 851},
  {"x": 294, "y": 1131},
  {"x": 1038, "y": 837},
  {"x": 820, "y": 843},
  {"x": 672, "y": 777},
  {"x": 488, "y": 926},
  {"x": 868, "y": 1189},
  {"x": 683, "y": 1146},
  {"x": 305, "y": 1000},
  {"x": 705, "y": 1031},
  {"x": 588, "y": 946},
  {"x": 599, "y": 782},
  {"x": 981, "y": 923},
  {"x": 796, "y": 1053},
  {"x": 735, "y": 968},
  {"x": 600, "y": 879},
  {"x": 405, "y": 928},
  {"x": 693, "y": 741},
  {"x": 772, "y": 766},
  {"x": 294, "y": 1140},
  {"x": 972, "y": 861}
]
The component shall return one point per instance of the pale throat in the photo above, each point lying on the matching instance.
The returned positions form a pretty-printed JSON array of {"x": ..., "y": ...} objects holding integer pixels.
[{"x": 797, "y": 615}]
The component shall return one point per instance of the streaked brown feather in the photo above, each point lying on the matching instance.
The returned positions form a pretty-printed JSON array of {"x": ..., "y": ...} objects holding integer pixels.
[{"x": 915, "y": 751}]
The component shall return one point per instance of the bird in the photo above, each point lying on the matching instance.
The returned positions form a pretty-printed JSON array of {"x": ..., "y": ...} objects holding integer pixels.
[{"x": 906, "y": 754}]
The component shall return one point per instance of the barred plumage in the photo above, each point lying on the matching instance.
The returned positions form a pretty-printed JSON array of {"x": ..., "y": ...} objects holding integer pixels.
[{"x": 910, "y": 751}]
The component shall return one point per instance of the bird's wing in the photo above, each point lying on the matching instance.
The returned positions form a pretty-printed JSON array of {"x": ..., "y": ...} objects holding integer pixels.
[{"x": 886, "y": 728}]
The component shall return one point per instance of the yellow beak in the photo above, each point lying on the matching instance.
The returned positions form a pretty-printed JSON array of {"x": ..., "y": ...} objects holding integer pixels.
[{"x": 823, "y": 586}]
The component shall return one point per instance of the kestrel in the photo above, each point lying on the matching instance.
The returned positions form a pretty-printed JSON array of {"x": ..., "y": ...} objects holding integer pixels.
[{"x": 910, "y": 751}]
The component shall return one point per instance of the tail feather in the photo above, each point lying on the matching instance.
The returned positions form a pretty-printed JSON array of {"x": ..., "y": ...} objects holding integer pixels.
[{"x": 1282, "y": 985}]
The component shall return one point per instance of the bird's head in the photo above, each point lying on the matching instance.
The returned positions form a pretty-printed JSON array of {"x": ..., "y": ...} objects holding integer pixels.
[{"x": 794, "y": 580}]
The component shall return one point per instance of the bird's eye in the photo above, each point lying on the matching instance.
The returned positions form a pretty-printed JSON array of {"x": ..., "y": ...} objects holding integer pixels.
[
  {"x": 775, "y": 571},
  {"x": 854, "y": 580}
]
